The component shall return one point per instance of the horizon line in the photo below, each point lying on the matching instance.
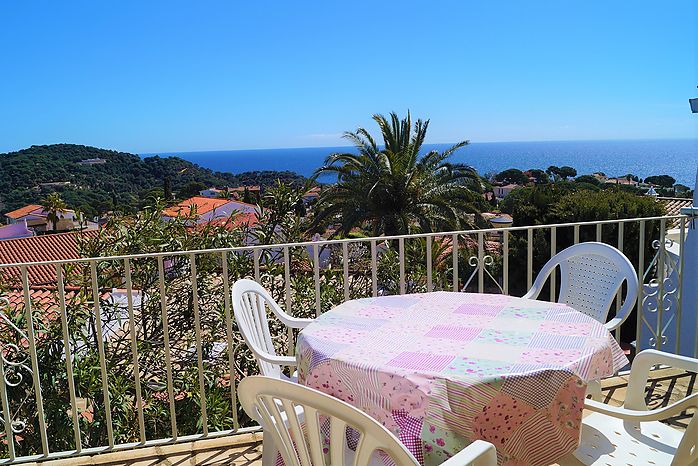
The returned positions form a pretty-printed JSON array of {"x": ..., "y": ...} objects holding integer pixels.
[{"x": 426, "y": 143}]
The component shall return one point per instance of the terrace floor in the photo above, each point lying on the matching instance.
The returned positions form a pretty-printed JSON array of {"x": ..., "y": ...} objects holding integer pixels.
[{"x": 664, "y": 387}]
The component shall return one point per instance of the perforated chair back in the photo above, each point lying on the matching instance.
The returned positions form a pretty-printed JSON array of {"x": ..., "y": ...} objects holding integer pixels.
[
  {"x": 310, "y": 428},
  {"x": 275, "y": 405},
  {"x": 590, "y": 276}
]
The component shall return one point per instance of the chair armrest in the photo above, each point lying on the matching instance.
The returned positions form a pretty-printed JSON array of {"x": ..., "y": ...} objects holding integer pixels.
[
  {"x": 614, "y": 323},
  {"x": 643, "y": 416},
  {"x": 294, "y": 322},
  {"x": 478, "y": 453},
  {"x": 652, "y": 357},
  {"x": 280, "y": 360},
  {"x": 623, "y": 313},
  {"x": 640, "y": 370},
  {"x": 540, "y": 280},
  {"x": 532, "y": 293},
  {"x": 287, "y": 320}
]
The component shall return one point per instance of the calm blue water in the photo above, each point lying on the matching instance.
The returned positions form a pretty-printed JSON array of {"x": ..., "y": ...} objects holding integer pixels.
[{"x": 678, "y": 158}]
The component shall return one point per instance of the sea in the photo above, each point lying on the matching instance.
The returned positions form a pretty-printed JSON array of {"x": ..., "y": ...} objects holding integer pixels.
[{"x": 675, "y": 157}]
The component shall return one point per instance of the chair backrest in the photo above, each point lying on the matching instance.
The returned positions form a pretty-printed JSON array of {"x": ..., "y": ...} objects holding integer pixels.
[
  {"x": 250, "y": 301},
  {"x": 299, "y": 419},
  {"x": 590, "y": 276}
]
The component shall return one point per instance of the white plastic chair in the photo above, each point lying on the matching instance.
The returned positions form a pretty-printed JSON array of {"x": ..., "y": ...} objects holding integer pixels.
[
  {"x": 590, "y": 276},
  {"x": 632, "y": 434},
  {"x": 274, "y": 404},
  {"x": 250, "y": 302}
]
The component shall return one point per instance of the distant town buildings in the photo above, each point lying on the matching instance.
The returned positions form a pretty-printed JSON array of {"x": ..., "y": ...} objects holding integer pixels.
[
  {"x": 201, "y": 210},
  {"x": 237, "y": 192},
  {"x": 35, "y": 218},
  {"x": 211, "y": 193},
  {"x": 15, "y": 230},
  {"x": 312, "y": 194},
  {"x": 500, "y": 192},
  {"x": 623, "y": 181},
  {"x": 92, "y": 162}
]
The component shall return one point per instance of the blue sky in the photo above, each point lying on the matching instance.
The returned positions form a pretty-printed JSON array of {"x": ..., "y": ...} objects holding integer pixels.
[{"x": 149, "y": 76}]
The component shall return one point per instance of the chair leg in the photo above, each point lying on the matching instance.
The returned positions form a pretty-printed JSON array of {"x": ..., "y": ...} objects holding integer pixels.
[
  {"x": 269, "y": 452},
  {"x": 594, "y": 389}
]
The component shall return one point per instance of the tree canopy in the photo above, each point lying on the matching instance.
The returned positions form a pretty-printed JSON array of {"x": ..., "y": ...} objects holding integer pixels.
[
  {"x": 561, "y": 173},
  {"x": 512, "y": 175},
  {"x": 396, "y": 189},
  {"x": 664, "y": 181},
  {"x": 118, "y": 181}
]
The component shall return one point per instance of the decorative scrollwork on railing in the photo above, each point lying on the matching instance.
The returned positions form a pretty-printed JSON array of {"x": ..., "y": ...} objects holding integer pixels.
[
  {"x": 660, "y": 293},
  {"x": 15, "y": 366},
  {"x": 477, "y": 263}
]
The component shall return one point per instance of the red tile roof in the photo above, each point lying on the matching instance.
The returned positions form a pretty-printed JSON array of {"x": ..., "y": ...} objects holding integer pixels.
[
  {"x": 202, "y": 205},
  {"x": 42, "y": 298},
  {"x": 59, "y": 246},
  {"x": 23, "y": 211},
  {"x": 248, "y": 219}
]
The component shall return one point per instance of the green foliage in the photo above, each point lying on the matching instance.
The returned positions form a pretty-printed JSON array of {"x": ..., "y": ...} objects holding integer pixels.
[
  {"x": 118, "y": 184},
  {"x": 395, "y": 190},
  {"x": 540, "y": 176},
  {"x": 584, "y": 206},
  {"x": 192, "y": 188},
  {"x": 54, "y": 206},
  {"x": 664, "y": 181},
  {"x": 530, "y": 205},
  {"x": 589, "y": 179},
  {"x": 512, "y": 175},
  {"x": 552, "y": 206},
  {"x": 561, "y": 173}
]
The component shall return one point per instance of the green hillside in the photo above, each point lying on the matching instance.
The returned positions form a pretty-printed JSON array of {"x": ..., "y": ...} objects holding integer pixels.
[{"x": 123, "y": 182}]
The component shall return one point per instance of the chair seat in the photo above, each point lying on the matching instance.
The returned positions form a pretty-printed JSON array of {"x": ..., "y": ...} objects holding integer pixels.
[{"x": 609, "y": 441}]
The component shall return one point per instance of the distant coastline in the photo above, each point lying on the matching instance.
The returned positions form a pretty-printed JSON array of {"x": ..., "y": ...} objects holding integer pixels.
[{"x": 675, "y": 157}]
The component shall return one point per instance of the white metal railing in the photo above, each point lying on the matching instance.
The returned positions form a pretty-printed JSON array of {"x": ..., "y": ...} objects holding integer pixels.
[{"x": 142, "y": 349}]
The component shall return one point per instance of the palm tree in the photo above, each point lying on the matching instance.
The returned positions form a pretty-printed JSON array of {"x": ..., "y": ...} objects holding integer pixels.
[
  {"x": 395, "y": 190},
  {"x": 54, "y": 205}
]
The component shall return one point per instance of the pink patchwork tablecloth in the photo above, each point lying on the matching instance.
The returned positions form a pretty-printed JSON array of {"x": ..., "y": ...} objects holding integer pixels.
[{"x": 441, "y": 370}]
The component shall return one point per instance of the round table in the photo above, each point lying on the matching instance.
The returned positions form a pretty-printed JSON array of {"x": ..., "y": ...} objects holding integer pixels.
[{"x": 443, "y": 369}]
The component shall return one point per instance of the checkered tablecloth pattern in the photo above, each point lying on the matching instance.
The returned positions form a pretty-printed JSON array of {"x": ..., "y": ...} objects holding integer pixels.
[{"x": 441, "y": 370}]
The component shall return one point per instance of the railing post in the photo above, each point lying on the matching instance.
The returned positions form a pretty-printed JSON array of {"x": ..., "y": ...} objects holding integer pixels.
[
  {"x": 430, "y": 282},
  {"x": 401, "y": 255},
  {"x": 661, "y": 275},
  {"x": 505, "y": 264},
  {"x": 480, "y": 263},
  {"x": 529, "y": 258},
  {"x": 641, "y": 288},
  {"x": 316, "y": 277},
  {"x": 35, "y": 362},
  {"x": 134, "y": 349},
  {"x": 166, "y": 336},
  {"x": 374, "y": 268},
  {"x": 68, "y": 357},
  {"x": 454, "y": 249},
  {"x": 100, "y": 350},
  {"x": 553, "y": 276}
]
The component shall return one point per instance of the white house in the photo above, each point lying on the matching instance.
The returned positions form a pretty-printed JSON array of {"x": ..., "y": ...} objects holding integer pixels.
[{"x": 500, "y": 192}]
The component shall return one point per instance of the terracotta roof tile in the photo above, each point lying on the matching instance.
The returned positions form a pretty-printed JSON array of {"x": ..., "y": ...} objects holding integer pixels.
[
  {"x": 59, "y": 246},
  {"x": 247, "y": 219},
  {"x": 23, "y": 211},
  {"x": 202, "y": 204},
  {"x": 673, "y": 206}
]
